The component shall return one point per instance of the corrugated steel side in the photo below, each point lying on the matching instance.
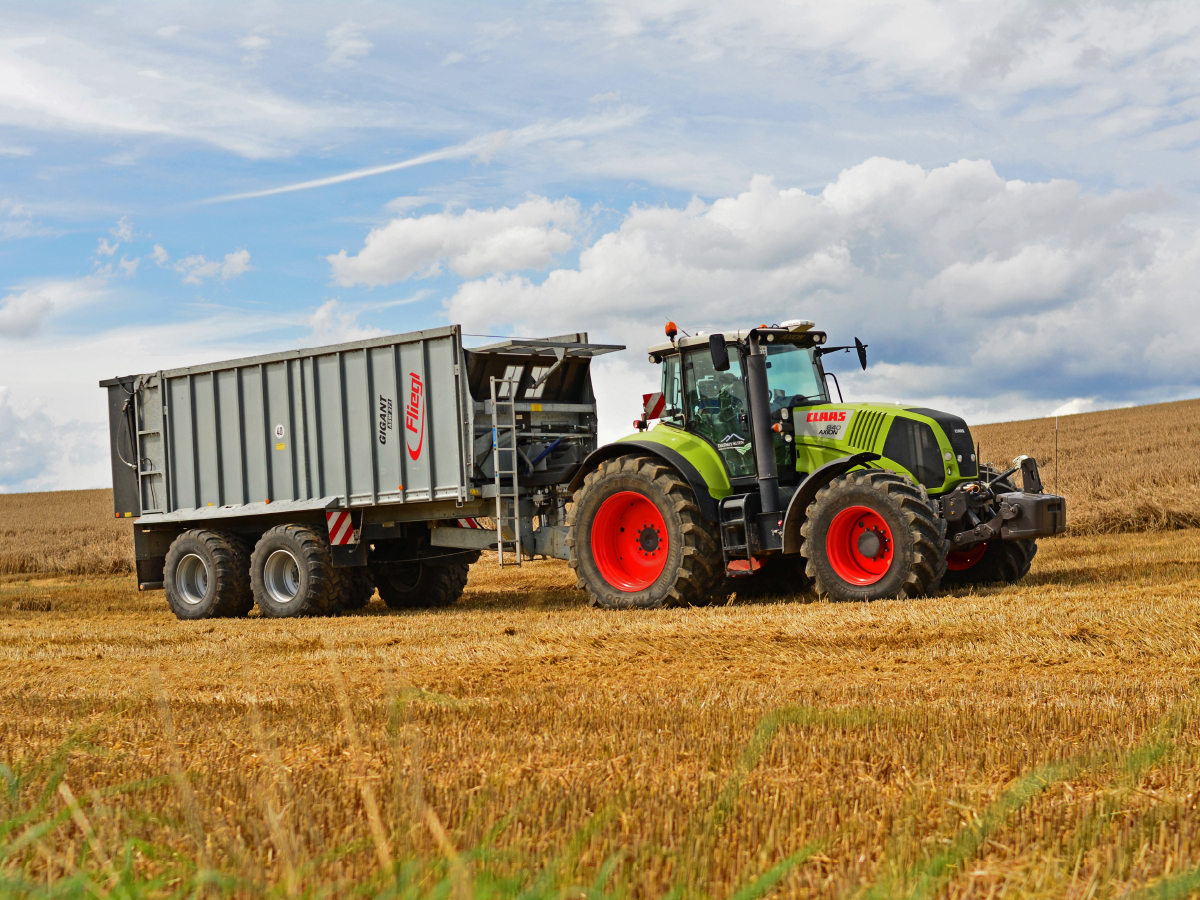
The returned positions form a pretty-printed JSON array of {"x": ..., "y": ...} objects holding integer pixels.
[{"x": 380, "y": 421}]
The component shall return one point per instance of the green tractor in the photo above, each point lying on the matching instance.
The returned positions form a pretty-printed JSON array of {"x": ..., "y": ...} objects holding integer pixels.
[{"x": 753, "y": 481}]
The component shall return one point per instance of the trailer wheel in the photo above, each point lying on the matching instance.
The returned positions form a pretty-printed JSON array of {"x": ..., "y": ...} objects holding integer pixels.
[
  {"x": 637, "y": 538},
  {"x": 874, "y": 534},
  {"x": 417, "y": 584},
  {"x": 292, "y": 573},
  {"x": 207, "y": 575},
  {"x": 358, "y": 587}
]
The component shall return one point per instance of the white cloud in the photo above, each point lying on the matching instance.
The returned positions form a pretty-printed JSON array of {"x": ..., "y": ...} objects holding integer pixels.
[
  {"x": 1091, "y": 70},
  {"x": 474, "y": 242},
  {"x": 168, "y": 31},
  {"x": 16, "y": 221},
  {"x": 51, "y": 81},
  {"x": 451, "y": 58},
  {"x": 129, "y": 266},
  {"x": 122, "y": 231},
  {"x": 23, "y": 312},
  {"x": 956, "y": 276},
  {"x": 346, "y": 45},
  {"x": 159, "y": 255},
  {"x": 196, "y": 268},
  {"x": 14, "y": 152},
  {"x": 332, "y": 324},
  {"x": 104, "y": 248},
  {"x": 29, "y": 442}
]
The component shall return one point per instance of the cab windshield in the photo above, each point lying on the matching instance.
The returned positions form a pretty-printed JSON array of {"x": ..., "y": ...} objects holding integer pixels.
[{"x": 793, "y": 377}]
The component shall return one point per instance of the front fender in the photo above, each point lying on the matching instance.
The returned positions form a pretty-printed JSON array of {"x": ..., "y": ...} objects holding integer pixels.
[
  {"x": 807, "y": 492},
  {"x": 708, "y": 480}
]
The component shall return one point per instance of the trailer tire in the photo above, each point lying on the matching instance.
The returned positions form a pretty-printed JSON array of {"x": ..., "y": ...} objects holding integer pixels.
[
  {"x": 419, "y": 585},
  {"x": 909, "y": 543},
  {"x": 649, "y": 490},
  {"x": 358, "y": 587},
  {"x": 292, "y": 573},
  {"x": 207, "y": 575}
]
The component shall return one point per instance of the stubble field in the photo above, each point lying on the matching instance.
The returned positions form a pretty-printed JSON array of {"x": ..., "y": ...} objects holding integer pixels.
[{"x": 1039, "y": 740}]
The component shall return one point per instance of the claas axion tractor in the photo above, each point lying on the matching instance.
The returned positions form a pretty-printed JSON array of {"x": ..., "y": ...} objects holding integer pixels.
[
  {"x": 302, "y": 482},
  {"x": 753, "y": 480}
]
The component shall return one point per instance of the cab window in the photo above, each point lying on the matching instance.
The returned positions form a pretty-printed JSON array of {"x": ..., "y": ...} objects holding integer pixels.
[
  {"x": 717, "y": 409},
  {"x": 672, "y": 389}
]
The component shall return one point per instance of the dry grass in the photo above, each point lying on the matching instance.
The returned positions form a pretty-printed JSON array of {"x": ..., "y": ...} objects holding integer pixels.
[
  {"x": 1040, "y": 741},
  {"x": 63, "y": 533},
  {"x": 1121, "y": 470}
]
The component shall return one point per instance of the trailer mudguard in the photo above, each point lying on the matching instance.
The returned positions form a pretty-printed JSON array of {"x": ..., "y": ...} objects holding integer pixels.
[
  {"x": 807, "y": 492},
  {"x": 709, "y": 479}
]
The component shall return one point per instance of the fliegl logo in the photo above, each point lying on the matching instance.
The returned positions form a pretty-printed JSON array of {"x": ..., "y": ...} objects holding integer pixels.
[
  {"x": 414, "y": 416},
  {"x": 828, "y": 424},
  {"x": 731, "y": 442}
]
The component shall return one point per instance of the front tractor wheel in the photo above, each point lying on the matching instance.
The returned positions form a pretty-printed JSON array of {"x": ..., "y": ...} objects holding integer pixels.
[
  {"x": 1006, "y": 562},
  {"x": 638, "y": 540},
  {"x": 874, "y": 534}
]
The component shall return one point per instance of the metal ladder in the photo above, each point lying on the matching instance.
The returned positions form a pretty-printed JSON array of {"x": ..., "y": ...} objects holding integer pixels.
[{"x": 505, "y": 494}]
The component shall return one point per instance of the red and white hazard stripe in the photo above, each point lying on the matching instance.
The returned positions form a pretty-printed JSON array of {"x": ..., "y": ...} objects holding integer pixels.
[
  {"x": 653, "y": 404},
  {"x": 468, "y": 523},
  {"x": 341, "y": 527}
]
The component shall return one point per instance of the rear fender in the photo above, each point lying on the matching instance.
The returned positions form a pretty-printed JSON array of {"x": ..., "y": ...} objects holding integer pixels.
[
  {"x": 807, "y": 492},
  {"x": 707, "y": 502}
]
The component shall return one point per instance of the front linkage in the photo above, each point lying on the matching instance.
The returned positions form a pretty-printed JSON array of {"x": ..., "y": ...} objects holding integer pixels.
[{"x": 979, "y": 514}]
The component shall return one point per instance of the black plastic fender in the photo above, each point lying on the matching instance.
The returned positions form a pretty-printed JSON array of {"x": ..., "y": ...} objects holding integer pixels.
[
  {"x": 807, "y": 492},
  {"x": 708, "y": 505}
]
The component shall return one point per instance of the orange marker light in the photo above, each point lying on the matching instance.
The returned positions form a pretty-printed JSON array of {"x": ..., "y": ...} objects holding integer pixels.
[{"x": 671, "y": 331}]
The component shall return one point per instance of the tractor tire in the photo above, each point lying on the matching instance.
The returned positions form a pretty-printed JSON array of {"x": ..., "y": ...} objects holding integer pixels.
[
  {"x": 292, "y": 573},
  {"x": 207, "y": 575},
  {"x": 358, "y": 587},
  {"x": 637, "y": 539},
  {"x": 999, "y": 561},
  {"x": 874, "y": 534},
  {"x": 418, "y": 585},
  {"x": 780, "y": 576},
  {"x": 993, "y": 561}
]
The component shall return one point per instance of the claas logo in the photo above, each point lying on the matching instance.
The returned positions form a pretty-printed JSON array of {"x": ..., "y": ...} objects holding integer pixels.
[{"x": 827, "y": 416}]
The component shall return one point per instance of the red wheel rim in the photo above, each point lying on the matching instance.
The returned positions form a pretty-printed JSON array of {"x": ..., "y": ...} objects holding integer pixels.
[
  {"x": 957, "y": 560},
  {"x": 629, "y": 541},
  {"x": 859, "y": 545}
]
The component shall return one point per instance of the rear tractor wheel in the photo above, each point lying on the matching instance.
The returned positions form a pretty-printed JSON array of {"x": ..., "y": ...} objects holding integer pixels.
[
  {"x": 874, "y": 534},
  {"x": 638, "y": 540}
]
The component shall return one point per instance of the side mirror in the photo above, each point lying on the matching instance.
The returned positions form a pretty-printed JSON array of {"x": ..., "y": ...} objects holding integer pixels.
[
  {"x": 862, "y": 353},
  {"x": 718, "y": 351}
]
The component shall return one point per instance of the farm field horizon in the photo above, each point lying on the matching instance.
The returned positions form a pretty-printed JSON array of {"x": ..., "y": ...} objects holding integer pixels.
[{"x": 1039, "y": 740}]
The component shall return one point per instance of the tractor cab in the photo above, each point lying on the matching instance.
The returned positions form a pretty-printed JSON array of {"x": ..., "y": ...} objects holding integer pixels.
[{"x": 706, "y": 391}]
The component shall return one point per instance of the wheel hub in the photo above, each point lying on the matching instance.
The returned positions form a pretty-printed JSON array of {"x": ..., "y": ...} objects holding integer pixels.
[{"x": 648, "y": 539}]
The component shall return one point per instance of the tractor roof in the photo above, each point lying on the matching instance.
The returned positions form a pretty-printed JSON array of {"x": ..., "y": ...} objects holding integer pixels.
[{"x": 796, "y": 326}]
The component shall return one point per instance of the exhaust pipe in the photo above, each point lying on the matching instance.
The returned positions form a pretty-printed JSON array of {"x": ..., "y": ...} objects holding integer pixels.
[{"x": 760, "y": 421}]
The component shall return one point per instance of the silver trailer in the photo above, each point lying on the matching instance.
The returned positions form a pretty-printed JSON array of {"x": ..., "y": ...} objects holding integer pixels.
[{"x": 304, "y": 480}]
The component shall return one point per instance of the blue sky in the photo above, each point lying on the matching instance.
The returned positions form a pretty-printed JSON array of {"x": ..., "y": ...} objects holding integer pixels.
[{"x": 1001, "y": 199}]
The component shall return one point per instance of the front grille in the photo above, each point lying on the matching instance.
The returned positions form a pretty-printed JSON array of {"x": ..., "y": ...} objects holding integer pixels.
[{"x": 864, "y": 431}]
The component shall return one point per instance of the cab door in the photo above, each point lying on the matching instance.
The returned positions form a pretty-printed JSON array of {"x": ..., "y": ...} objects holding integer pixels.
[{"x": 718, "y": 411}]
